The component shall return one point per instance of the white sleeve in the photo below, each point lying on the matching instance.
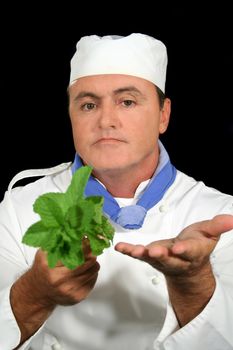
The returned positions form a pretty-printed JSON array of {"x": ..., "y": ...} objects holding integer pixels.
[
  {"x": 212, "y": 328},
  {"x": 12, "y": 265},
  {"x": 10, "y": 333}
]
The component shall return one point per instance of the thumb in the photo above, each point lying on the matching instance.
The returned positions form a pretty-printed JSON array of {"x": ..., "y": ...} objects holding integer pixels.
[
  {"x": 216, "y": 226},
  {"x": 86, "y": 248}
]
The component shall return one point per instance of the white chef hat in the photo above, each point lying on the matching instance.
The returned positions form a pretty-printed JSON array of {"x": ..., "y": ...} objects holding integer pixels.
[{"x": 137, "y": 54}]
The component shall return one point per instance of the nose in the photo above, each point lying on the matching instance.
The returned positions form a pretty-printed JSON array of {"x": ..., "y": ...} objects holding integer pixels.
[{"x": 108, "y": 117}]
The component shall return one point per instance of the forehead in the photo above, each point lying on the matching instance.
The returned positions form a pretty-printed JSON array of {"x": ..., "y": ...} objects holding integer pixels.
[{"x": 108, "y": 83}]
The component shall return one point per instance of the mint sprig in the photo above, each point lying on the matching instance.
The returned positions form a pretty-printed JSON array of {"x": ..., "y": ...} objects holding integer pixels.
[{"x": 66, "y": 220}]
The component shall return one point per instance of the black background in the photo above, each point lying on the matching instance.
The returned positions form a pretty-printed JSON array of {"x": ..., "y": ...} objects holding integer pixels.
[{"x": 37, "y": 45}]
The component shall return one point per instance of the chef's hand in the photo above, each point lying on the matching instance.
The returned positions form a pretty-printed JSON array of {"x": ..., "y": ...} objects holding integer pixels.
[{"x": 185, "y": 262}]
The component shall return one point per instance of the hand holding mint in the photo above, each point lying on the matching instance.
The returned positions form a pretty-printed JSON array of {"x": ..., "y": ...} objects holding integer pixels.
[{"x": 66, "y": 220}]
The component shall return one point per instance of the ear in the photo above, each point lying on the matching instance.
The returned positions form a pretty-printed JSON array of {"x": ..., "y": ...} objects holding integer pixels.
[{"x": 165, "y": 116}]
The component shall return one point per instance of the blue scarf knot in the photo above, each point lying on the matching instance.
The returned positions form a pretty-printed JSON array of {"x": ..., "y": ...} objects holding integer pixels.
[{"x": 131, "y": 217}]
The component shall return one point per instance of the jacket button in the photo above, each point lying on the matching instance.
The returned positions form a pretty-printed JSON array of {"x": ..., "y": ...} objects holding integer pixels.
[
  {"x": 163, "y": 208},
  {"x": 155, "y": 280}
]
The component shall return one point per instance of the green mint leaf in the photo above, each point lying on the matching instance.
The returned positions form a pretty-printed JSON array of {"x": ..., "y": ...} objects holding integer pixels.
[
  {"x": 36, "y": 234},
  {"x": 100, "y": 236},
  {"x": 75, "y": 256},
  {"x": 48, "y": 208},
  {"x": 98, "y": 244},
  {"x": 108, "y": 229},
  {"x": 76, "y": 189},
  {"x": 98, "y": 202},
  {"x": 66, "y": 219},
  {"x": 52, "y": 257},
  {"x": 39, "y": 235},
  {"x": 80, "y": 216}
]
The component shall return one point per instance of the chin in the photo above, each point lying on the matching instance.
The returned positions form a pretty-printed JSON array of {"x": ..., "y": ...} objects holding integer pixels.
[
  {"x": 109, "y": 165},
  {"x": 109, "y": 161}
]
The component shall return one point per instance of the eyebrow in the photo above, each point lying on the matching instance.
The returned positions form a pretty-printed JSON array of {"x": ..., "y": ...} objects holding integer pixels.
[
  {"x": 130, "y": 89},
  {"x": 84, "y": 94}
]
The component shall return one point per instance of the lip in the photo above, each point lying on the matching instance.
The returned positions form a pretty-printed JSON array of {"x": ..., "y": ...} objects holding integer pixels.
[{"x": 109, "y": 140}]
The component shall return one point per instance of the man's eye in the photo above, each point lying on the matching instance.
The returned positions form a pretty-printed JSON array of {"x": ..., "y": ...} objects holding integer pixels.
[
  {"x": 88, "y": 106},
  {"x": 128, "y": 103}
]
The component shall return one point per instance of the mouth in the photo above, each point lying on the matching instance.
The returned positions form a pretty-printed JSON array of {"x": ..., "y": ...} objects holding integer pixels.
[{"x": 108, "y": 140}]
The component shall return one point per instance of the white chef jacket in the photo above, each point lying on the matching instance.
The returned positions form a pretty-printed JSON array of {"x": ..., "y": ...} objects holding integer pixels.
[{"x": 129, "y": 307}]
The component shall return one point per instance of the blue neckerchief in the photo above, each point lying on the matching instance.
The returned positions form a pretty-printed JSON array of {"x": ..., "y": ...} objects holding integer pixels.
[{"x": 132, "y": 216}]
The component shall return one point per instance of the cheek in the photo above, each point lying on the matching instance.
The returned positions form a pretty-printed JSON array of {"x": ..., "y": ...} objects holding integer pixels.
[
  {"x": 146, "y": 132},
  {"x": 80, "y": 133}
]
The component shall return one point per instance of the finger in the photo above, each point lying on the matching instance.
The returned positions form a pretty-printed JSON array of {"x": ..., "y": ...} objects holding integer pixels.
[
  {"x": 215, "y": 227},
  {"x": 161, "y": 258},
  {"x": 191, "y": 249},
  {"x": 134, "y": 250},
  {"x": 86, "y": 248},
  {"x": 179, "y": 253},
  {"x": 83, "y": 291},
  {"x": 221, "y": 223},
  {"x": 88, "y": 264},
  {"x": 124, "y": 248},
  {"x": 158, "y": 251},
  {"x": 87, "y": 269},
  {"x": 156, "y": 255}
]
